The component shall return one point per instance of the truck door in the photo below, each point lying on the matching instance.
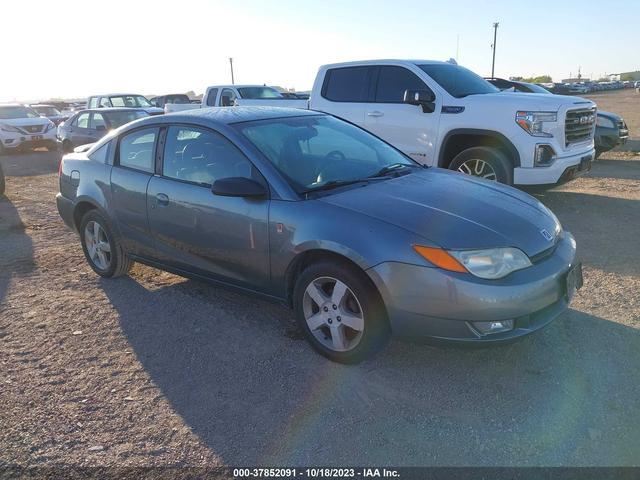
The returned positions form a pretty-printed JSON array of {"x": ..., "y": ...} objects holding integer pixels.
[{"x": 404, "y": 126}]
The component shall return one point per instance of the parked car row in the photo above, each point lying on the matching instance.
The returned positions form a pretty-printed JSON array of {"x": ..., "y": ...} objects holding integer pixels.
[{"x": 611, "y": 129}]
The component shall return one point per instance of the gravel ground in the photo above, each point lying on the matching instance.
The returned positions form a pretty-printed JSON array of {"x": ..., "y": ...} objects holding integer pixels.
[{"x": 155, "y": 369}]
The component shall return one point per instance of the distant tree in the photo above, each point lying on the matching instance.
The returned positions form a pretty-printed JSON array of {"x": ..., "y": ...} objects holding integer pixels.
[
  {"x": 539, "y": 79},
  {"x": 630, "y": 76}
]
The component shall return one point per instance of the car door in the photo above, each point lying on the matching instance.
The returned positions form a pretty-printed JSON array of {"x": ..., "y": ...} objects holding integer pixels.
[
  {"x": 97, "y": 126},
  {"x": 79, "y": 132},
  {"x": 348, "y": 89},
  {"x": 218, "y": 236},
  {"x": 406, "y": 127},
  {"x": 134, "y": 165}
]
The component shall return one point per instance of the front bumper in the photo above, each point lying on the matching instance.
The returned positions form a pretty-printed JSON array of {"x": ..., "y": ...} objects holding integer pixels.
[
  {"x": 12, "y": 140},
  {"x": 562, "y": 169},
  {"x": 427, "y": 302},
  {"x": 608, "y": 138}
]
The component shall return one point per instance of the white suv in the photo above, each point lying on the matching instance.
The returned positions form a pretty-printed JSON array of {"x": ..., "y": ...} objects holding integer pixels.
[{"x": 22, "y": 127}]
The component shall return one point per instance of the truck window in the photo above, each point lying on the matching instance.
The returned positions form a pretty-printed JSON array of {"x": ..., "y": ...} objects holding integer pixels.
[
  {"x": 227, "y": 97},
  {"x": 93, "y": 102},
  {"x": 392, "y": 83},
  {"x": 104, "y": 102},
  {"x": 211, "y": 98},
  {"x": 349, "y": 84}
]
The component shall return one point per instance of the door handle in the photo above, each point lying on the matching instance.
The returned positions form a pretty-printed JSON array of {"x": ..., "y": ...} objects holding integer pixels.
[
  {"x": 375, "y": 113},
  {"x": 162, "y": 199}
]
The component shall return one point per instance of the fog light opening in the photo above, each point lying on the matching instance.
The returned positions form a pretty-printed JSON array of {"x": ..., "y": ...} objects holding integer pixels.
[
  {"x": 544, "y": 156},
  {"x": 487, "y": 328}
]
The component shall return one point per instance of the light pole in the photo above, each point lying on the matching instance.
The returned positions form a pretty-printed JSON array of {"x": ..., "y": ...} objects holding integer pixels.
[
  {"x": 231, "y": 64},
  {"x": 495, "y": 36}
]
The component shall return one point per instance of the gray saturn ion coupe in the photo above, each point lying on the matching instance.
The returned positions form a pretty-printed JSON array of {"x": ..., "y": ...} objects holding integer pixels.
[{"x": 316, "y": 213}]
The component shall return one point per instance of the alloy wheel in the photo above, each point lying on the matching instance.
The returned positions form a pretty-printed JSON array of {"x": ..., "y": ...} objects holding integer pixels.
[
  {"x": 98, "y": 246},
  {"x": 333, "y": 314},
  {"x": 478, "y": 168}
]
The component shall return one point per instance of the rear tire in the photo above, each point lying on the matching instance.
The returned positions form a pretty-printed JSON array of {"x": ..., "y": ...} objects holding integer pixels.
[
  {"x": 102, "y": 248},
  {"x": 484, "y": 162},
  {"x": 345, "y": 325}
]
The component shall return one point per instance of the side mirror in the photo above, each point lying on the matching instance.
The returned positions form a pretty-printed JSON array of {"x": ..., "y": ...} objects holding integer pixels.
[
  {"x": 424, "y": 98},
  {"x": 238, "y": 187}
]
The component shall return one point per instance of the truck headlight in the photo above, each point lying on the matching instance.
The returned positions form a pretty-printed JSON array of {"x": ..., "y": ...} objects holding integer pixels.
[
  {"x": 49, "y": 126},
  {"x": 534, "y": 122},
  {"x": 604, "y": 122},
  {"x": 492, "y": 263}
]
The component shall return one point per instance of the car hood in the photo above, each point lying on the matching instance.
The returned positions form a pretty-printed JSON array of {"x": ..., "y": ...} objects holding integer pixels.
[
  {"x": 526, "y": 101},
  {"x": 21, "y": 122},
  {"x": 154, "y": 110},
  {"x": 455, "y": 211}
]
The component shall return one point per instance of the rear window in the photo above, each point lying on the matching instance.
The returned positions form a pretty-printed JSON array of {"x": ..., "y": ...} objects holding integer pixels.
[
  {"x": 254, "y": 93},
  {"x": 458, "y": 81},
  {"x": 117, "y": 119},
  {"x": 350, "y": 84}
]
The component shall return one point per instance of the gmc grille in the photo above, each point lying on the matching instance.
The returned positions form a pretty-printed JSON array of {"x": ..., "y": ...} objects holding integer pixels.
[
  {"x": 32, "y": 128},
  {"x": 579, "y": 125}
]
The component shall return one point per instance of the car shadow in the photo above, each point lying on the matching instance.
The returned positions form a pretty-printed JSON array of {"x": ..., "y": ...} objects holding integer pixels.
[
  {"x": 16, "y": 248},
  {"x": 257, "y": 396},
  {"x": 27, "y": 164},
  {"x": 589, "y": 218}
]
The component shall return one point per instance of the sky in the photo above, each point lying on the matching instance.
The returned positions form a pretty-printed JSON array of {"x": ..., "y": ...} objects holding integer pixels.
[{"x": 75, "y": 48}]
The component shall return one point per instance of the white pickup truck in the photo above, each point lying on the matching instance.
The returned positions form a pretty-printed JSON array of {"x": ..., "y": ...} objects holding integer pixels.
[
  {"x": 245, "y": 95},
  {"x": 444, "y": 115}
]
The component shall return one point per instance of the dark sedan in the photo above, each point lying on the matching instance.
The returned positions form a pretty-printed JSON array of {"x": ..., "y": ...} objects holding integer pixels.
[
  {"x": 309, "y": 210},
  {"x": 611, "y": 131},
  {"x": 89, "y": 126},
  {"x": 50, "y": 112}
]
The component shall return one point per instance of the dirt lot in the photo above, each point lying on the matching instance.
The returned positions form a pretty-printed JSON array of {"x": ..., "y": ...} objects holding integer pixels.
[{"x": 154, "y": 369}]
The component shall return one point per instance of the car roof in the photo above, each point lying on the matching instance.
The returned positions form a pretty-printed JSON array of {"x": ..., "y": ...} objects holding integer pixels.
[
  {"x": 12, "y": 104},
  {"x": 111, "y": 109},
  {"x": 227, "y": 115},
  {"x": 115, "y": 94},
  {"x": 386, "y": 60}
]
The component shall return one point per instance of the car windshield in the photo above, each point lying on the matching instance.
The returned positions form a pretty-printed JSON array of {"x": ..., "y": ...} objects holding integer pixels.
[
  {"x": 17, "y": 111},
  {"x": 317, "y": 152},
  {"x": 537, "y": 88},
  {"x": 117, "y": 119},
  {"x": 49, "y": 111},
  {"x": 177, "y": 99},
  {"x": 129, "y": 101},
  {"x": 458, "y": 81},
  {"x": 253, "y": 93}
]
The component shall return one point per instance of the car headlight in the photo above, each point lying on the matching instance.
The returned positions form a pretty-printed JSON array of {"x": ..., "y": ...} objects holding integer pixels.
[
  {"x": 534, "y": 123},
  {"x": 604, "y": 122},
  {"x": 8, "y": 128},
  {"x": 490, "y": 263}
]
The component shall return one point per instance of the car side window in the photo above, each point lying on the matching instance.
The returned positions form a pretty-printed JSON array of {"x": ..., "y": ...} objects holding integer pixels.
[
  {"x": 97, "y": 122},
  {"x": 83, "y": 120},
  {"x": 202, "y": 156},
  {"x": 227, "y": 97},
  {"x": 349, "y": 84},
  {"x": 93, "y": 102},
  {"x": 104, "y": 102},
  {"x": 392, "y": 83},
  {"x": 136, "y": 150},
  {"x": 211, "y": 98}
]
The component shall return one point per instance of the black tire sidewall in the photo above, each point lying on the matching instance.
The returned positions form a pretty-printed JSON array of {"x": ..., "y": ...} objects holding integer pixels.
[
  {"x": 495, "y": 158},
  {"x": 376, "y": 330},
  {"x": 96, "y": 216}
]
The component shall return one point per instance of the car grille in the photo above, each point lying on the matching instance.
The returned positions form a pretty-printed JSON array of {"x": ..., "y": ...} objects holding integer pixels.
[
  {"x": 32, "y": 128},
  {"x": 579, "y": 125}
]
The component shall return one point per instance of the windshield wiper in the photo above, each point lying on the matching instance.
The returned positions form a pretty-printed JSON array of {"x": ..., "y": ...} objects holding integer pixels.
[
  {"x": 334, "y": 184},
  {"x": 394, "y": 167}
]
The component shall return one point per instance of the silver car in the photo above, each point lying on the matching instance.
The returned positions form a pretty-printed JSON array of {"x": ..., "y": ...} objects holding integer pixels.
[{"x": 314, "y": 212}]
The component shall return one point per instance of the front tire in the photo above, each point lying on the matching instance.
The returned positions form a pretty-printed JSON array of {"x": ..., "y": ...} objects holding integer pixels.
[
  {"x": 101, "y": 247},
  {"x": 484, "y": 162},
  {"x": 340, "y": 311}
]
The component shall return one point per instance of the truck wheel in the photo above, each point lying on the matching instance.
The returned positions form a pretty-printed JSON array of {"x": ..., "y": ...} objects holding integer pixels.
[
  {"x": 340, "y": 311},
  {"x": 484, "y": 162}
]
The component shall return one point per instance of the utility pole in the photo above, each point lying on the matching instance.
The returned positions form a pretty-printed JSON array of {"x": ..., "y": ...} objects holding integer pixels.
[
  {"x": 231, "y": 63},
  {"x": 495, "y": 36}
]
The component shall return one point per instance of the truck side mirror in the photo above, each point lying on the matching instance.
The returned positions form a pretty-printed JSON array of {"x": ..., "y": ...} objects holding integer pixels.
[{"x": 424, "y": 98}]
